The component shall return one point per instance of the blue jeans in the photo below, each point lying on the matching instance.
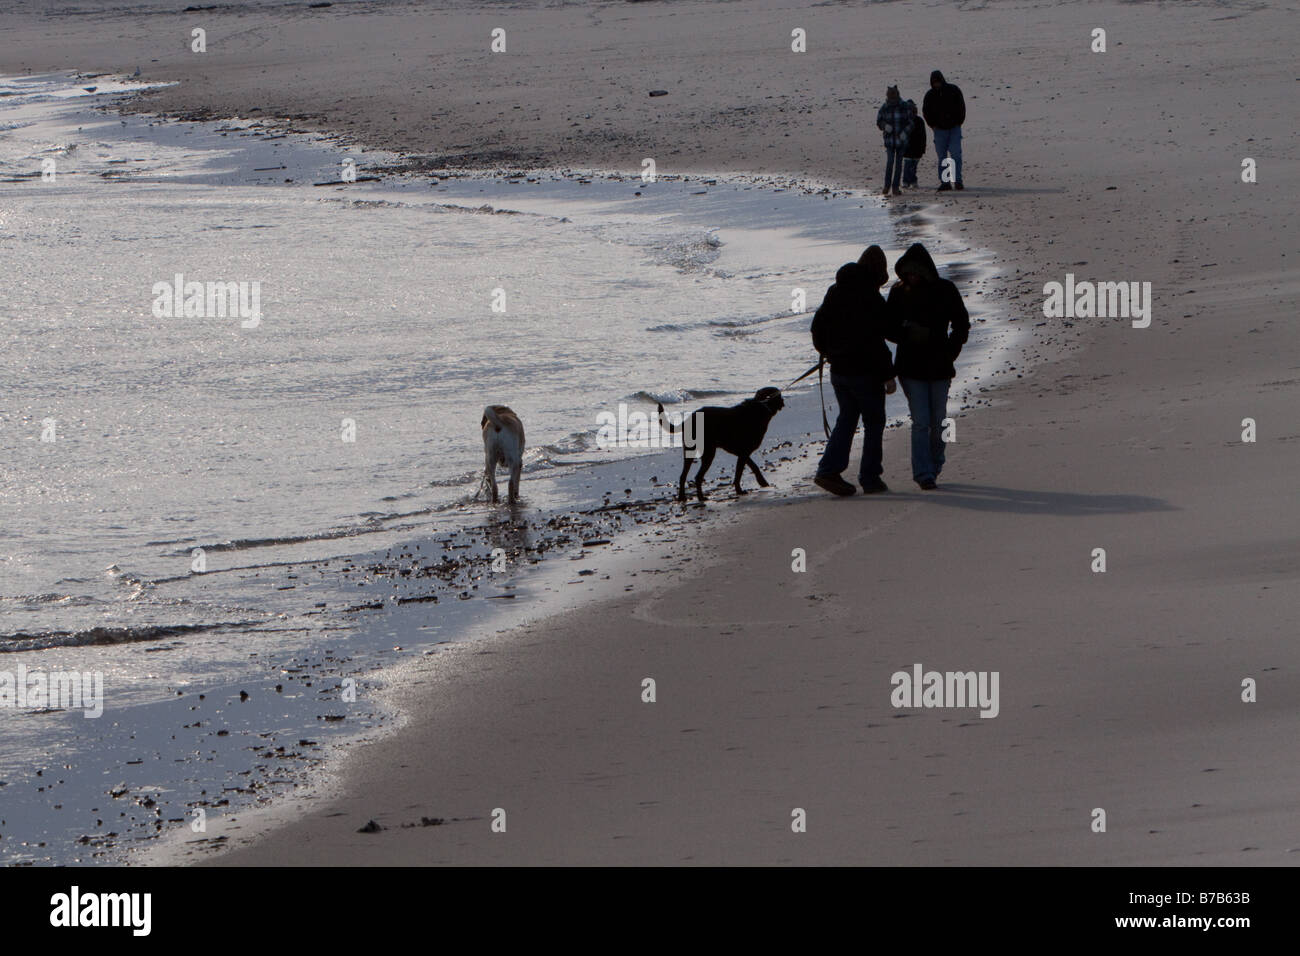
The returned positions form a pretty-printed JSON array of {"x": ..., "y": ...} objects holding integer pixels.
[
  {"x": 909, "y": 172},
  {"x": 893, "y": 166},
  {"x": 858, "y": 396},
  {"x": 927, "y": 402},
  {"x": 948, "y": 141}
]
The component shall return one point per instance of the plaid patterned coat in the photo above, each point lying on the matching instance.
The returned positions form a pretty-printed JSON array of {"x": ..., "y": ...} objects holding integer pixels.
[{"x": 895, "y": 121}]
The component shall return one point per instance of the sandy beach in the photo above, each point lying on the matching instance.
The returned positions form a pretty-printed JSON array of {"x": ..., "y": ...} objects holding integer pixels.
[{"x": 1120, "y": 691}]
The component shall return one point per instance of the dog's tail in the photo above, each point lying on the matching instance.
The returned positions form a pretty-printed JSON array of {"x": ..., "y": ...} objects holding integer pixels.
[
  {"x": 490, "y": 415},
  {"x": 666, "y": 422}
]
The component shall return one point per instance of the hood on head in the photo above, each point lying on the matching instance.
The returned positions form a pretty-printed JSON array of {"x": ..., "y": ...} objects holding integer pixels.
[
  {"x": 916, "y": 259},
  {"x": 875, "y": 267},
  {"x": 891, "y": 93},
  {"x": 849, "y": 275},
  {"x": 936, "y": 75}
]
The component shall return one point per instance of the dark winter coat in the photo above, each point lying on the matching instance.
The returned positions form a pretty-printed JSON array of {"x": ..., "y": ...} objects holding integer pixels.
[
  {"x": 929, "y": 322},
  {"x": 944, "y": 107},
  {"x": 849, "y": 327},
  {"x": 915, "y": 148}
]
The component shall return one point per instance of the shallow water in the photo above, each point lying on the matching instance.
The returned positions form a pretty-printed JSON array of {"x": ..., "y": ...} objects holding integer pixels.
[{"x": 171, "y": 434}]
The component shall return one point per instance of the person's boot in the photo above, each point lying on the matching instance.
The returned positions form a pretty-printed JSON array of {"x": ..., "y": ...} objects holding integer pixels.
[
  {"x": 897, "y": 191},
  {"x": 834, "y": 484},
  {"x": 959, "y": 185},
  {"x": 874, "y": 487},
  {"x": 944, "y": 187}
]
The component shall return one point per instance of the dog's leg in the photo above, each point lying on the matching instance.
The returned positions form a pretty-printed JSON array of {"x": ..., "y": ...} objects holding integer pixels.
[
  {"x": 513, "y": 492},
  {"x": 490, "y": 467},
  {"x": 681, "y": 482},
  {"x": 705, "y": 462},
  {"x": 757, "y": 474},
  {"x": 740, "y": 470}
]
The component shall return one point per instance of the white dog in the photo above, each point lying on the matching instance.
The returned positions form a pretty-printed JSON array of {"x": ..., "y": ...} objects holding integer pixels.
[{"x": 503, "y": 444}]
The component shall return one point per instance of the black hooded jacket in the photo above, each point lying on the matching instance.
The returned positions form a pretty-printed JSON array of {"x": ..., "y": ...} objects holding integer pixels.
[
  {"x": 919, "y": 320},
  {"x": 849, "y": 326},
  {"x": 945, "y": 107},
  {"x": 915, "y": 147}
]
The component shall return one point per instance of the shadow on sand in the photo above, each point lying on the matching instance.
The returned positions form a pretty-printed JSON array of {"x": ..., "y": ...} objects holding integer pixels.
[
  {"x": 1003, "y": 190},
  {"x": 1031, "y": 502}
]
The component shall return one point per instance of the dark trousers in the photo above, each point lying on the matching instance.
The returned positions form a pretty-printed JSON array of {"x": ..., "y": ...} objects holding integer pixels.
[
  {"x": 927, "y": 402},
  {"x": 893, "y": 166},
  {"x": 859, "y": 397}
]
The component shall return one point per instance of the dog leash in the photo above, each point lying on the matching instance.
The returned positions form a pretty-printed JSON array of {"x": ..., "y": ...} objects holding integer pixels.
[
  {"x": 815, "y": 368},
  {"x": 821, "y": 391}
]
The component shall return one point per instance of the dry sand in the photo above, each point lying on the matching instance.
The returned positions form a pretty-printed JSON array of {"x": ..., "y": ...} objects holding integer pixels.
[{"x": 1118, "y": 691}]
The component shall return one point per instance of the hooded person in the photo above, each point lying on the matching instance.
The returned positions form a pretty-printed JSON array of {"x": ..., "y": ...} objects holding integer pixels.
[
  {"x": 894, "y": 120},
  {"x": 848, "y": 330},
  {"x": 915, "y": 147},
  {"x": 925, "y": 315},
  {"x": 944, "y": 109}
]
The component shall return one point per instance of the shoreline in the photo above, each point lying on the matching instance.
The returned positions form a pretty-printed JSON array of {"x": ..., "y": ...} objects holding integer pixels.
[
  {"x": 321, "y": 765},
  {"x": 329, "y": 778},
  {"x": 1122, "y": 688},
  {"x": 311, "y": 764}
]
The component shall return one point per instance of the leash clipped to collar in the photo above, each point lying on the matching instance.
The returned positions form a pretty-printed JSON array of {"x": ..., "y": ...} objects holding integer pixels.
[{"x": 821, "y": 391}]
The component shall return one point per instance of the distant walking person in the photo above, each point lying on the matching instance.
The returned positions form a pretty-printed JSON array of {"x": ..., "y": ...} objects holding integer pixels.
[
  {"x": 894, "y": 120},
  {"x": 944, "y": 109},
  {"x": 849, "y": 330},
  {"x": 915, "y": 148},
  {"x": 928, "y": 320}
]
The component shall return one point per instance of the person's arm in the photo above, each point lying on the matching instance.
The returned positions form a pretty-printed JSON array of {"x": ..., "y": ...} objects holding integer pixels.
[
  {"x": 960, "y": 320},
  {"x": 891, "y": 319},
  {"x": 880, "y": 118},
  {"x": 961, "y": 106},
  {"x": 927, "y": 109},
  {"x": 819, "y": 330},
  {"x": 823, "y": 324}
]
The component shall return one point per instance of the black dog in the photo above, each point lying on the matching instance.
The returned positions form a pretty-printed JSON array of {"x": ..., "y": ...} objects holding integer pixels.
[{"x": 738, "y": 429}]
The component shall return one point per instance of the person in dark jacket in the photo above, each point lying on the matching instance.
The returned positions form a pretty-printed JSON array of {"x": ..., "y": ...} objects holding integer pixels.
[
  {"x": 928, "y": 320},
  {"x": 849, "y": 331},
  {"x": 944, "y": 109},
  {"x": 894, "y": 120},
  {"x": 915, "y": 147}
]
